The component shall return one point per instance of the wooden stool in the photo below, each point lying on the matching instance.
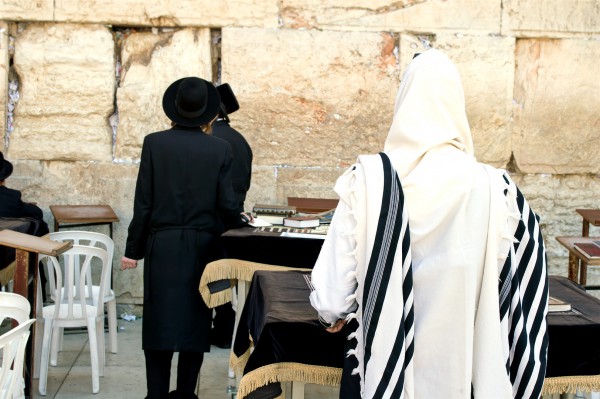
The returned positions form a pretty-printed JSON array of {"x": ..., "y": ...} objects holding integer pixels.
[
  {"x": 589, "y": 216},
  {"x": 83, "y": 215}
]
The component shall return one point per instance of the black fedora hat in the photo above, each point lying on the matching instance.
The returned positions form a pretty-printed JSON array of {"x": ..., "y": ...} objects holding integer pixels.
[
  {"x": 6, "y": 168},
  {"x": 228, "y": 99},
  {"x": 191, "y": 102}
]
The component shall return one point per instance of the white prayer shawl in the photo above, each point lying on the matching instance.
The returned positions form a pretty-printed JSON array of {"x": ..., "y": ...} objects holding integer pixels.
[{"x": 478, "y": 285}]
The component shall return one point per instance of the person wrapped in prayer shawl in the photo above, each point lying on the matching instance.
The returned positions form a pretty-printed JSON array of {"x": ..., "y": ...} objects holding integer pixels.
[{"x": 434, "y": 264}]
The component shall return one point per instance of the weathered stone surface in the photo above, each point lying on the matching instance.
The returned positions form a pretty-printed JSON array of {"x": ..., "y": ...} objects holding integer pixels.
[
  {"x": 273, "y": 185},
  {"x": 57, "y": 183},
  {"x": 318, "y": 98},
  {"x": 404, "y": 15},
  {"x": 187, "y": 13},
  {"x": 551, "y": 18},
  {"x": 486, "y": 66},
  {"x": 150, "y": 63},
  {"x": 26, "y": 10},
  {"x": 67, "y": 83},
  {"x": 3, "y": 79},
  {"x": 554, "y": 198},
  {"x": 556, "y": 119}
]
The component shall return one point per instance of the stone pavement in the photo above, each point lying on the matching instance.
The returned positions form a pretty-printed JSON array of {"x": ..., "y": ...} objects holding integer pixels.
[{"x": 124, "y": 373}]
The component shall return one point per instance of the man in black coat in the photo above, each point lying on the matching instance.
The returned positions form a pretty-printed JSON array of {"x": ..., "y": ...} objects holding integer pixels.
[
  {"x": 183, "y": 193},
  {"x": 11, "y": 204},
  {"x": 13, "y": 207},
  {"x": 241, "y": 173}
]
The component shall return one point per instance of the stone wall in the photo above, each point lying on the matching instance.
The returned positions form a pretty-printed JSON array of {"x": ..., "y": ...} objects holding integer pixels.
[{"x": 316, "y": 82}]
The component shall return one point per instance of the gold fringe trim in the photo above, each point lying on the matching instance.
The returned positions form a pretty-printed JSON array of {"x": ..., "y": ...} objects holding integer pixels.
[
  {"x": 237, "y": 364},
  {"x": 234, "y": 270},
  {"x": 570, "y": 384},
  {"x": 283, "y": 372}
]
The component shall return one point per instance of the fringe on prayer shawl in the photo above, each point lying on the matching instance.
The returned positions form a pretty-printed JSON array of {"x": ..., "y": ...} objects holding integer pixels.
[
  {"x": 233, "y": 270},
  {"x": 570, "y": 384},
  {"x": 284, "y": 372},
  {"x": 237, "y": 364}
]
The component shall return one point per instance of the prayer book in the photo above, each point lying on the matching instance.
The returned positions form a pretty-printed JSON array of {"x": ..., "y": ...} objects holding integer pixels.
[
  {"x": 301, "y": 221},
  {"x": 285, "y": 210},
  {"x": 556, "y": 305},
  {"x": 590, "y": 249}
]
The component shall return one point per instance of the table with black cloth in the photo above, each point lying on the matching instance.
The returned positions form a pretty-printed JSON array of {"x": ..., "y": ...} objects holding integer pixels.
[
  {"x": 249, "y": 249},
  {"x": 290, "y": 344}
]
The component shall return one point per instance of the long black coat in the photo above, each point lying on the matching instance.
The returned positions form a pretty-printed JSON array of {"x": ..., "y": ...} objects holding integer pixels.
[
  {"x": 184, "y": 180},
  {"x": 241, "y": 171}
]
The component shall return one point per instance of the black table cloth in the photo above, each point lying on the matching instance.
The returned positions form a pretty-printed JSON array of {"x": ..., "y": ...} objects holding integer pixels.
[
  {"x": 255, "y": 245},
  {"x": 284, "y": 328}
]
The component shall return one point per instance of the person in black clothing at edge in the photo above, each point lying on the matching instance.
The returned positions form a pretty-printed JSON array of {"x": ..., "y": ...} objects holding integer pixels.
[
  {"x": 183, "y": 193},
  {"x": 13, "y": 207},
  {"x": 11, "y": 204},
  {"x": 241, "y": 173}
]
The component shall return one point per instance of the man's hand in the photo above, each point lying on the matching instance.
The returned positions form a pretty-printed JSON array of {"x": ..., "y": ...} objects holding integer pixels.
[
  {"x": 127, "y": 263},
  {"x": 337, "y": 326}
]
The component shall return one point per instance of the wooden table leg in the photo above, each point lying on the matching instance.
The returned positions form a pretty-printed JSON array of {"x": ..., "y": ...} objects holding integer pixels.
[
  {"x": 583, "y": 274},
  {"x": 585, "y": 230},
  {"x": 573, "y": 268}
]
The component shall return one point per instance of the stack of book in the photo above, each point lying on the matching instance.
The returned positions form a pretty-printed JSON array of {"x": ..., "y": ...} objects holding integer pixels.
[{"x": 273, "y": 214}]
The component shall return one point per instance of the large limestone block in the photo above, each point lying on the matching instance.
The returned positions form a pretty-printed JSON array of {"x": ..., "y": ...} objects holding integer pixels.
[
  {"x": 551, "y": 17},
  {"x": 311, "y": 97},
  {"x": 27, "y": 10},
  {"x": 67, "y": 83},
  {"x": 404, "y": 15},
  {"x": 556, "y": 119},
  {"x": 3, "y": 79},
  {"x": 486, "y": 66},
  {"x": 307, "y": 182},
  {"x": 188, "y": 13},
  {"x": 151, "y": 62}
]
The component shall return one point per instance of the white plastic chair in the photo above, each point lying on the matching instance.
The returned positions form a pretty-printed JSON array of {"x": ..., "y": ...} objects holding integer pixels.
[
  {"x": 12, "y": 344},
  {"x": 14, "y": 306},
  {"x": 71, "y": 309},
  {"x": 12, "y": 348},
  {"x": 103, "y": 241}
]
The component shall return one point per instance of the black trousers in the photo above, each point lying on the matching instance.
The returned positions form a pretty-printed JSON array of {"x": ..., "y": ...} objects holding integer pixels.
[{"x": 158, "y": 374}]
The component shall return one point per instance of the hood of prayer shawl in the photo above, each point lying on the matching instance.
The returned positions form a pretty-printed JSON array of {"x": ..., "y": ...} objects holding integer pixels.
[{"x": 429, "y": 112}]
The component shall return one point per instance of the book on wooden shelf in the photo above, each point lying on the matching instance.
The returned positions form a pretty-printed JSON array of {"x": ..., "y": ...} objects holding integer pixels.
[
  {"x": 285, "y": 210},
  {"x": 591, "y": 249},
  {"x": 301, "y": 221},
  {"x": 556, "y": 305}
]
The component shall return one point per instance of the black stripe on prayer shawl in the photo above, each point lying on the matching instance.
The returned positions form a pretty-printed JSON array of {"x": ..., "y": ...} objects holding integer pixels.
[
  {"x": 388, "y": 232},
  {"x": 526, "y": 317}
]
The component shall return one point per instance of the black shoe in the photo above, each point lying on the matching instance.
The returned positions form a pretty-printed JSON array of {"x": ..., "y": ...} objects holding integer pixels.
[{"x": 219, "y": 340}]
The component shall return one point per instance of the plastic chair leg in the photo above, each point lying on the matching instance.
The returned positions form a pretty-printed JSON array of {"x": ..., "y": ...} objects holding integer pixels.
[
  {"x": 101, "y": 345},
  {"x": 45, "y": 357},
  {"x": 37, "y": 354},
  {"x": 93, "y": 339},
  {"x": 111, "y": 308},
  {"x": 56, "y": 334}
]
